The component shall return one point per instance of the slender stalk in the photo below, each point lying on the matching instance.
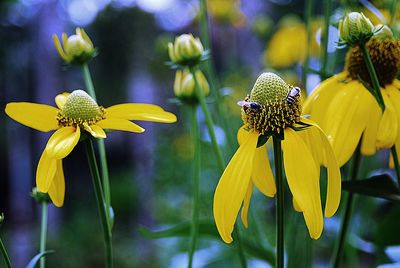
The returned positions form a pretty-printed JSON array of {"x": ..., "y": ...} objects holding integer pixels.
[
  {"x": 338, "y": 252},
  {"x": 196, "y": 181},
  {"x": 280, "y": 252},
  {"x": 325, "y": 39},
  {"x": 220, "y": 161},
  {"x": 308, "y": 15},
  {"x": 5, "y": 254},
  {"x": 396, "y": 163},
  {"x": 43, "y": 233},
  {"x": 393, "y": 11},
  {"x": 101, "y": 206},
  {"x": 102, "y": 149},
  {"x": 374, "y": 77}
]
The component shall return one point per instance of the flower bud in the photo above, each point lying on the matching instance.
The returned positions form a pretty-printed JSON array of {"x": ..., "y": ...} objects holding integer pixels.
[
  {"x": 75, "y": 49},
  {"x": 186, "y": 50},
  {"x": 184, "y": 85},
  {"x": 383, "y": 32},
  {"x": 355, "y": 28},
  {"x": 39, "y": 196}
]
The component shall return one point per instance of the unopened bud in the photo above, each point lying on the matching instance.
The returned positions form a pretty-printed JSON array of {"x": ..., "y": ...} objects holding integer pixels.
[
  {"x": 186, "y": 50},
  {"x": 355, "y": 28},
  {"x": 184, "y": 85}
]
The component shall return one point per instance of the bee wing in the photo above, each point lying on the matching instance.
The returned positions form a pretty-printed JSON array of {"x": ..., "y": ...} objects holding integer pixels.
[{"x": 242, "y": 103}]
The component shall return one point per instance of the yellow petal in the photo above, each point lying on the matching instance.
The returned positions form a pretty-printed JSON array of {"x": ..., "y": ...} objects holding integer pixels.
[
  {"x": 119, "y": 124},
  {"x": 38, "y": 116},
  {"x": 62, "y": 142},
  {"x": 140, "y": 111},
  {"x": 232, "y": 187},
  {"x": 368, "y": 144},
  {"x": 246, "y": 205},
  {"x": 57, "y": 187},
  {"x": 241, "y": 135},
  {"x": 58, "y": 47},
  {"x": 95, "y": 131},
  {"x": 261, "y": 174},
  {"x": 296, "y": 205},
  {"x": 388, "y": 126},
  {"x": 60, "y": 99},
  {"x": 346, "y": 119},
  {"x": 45, "y": 172},
  {"x": 302, "y": 177}
]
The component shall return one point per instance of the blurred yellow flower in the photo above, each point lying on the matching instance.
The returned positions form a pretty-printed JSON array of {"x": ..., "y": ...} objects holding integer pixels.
[
  {"x": 348, "y": 112},
  {"x": 273, "y": 108},
  {"x": 288, "y": 45},
  {"x": 186, "y": 50},
  {"x": 76, "y": 112},
  {"x": 184, "y": 84},
  {"x": 227, "y": 10}
]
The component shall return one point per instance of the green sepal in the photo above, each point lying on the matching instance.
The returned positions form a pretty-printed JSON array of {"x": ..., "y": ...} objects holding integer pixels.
[
  {"x": 36, "y": 258},
  {"x": 189, "y": 63},
  {"x": 262, "y": 139}
]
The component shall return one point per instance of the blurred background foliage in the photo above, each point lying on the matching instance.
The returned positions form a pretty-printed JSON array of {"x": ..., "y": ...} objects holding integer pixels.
[{"x": 151, "y": 172}]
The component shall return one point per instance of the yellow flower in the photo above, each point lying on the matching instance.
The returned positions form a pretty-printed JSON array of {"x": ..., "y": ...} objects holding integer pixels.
[
  {"x": 269, "y": 111},
  {"x": 76, "y": 112},
  {"x": 288, "y": 45},
  {"x": 227, "y": 10},
  {"x": 78, "y": 48},
  {"x": 348, "y": 112}
]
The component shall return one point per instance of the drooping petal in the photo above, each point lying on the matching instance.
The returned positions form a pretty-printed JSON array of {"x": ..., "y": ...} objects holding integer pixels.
[
  {"x": 60, "y": 99},
  {"x": 45, "y": 172},
  {"x": 140, "y": 111},
  {"x": 62, "y": 142},
  {"x": 95, "y": 131},
  {"x": 348, "y": 115},
  {"x": 38, "y": 116},
  {"x": 302, "y": 177},
  {"x": 246, "y": 205},
  {"x": 296, "y": 206},
  {"x": 232, "y": 187},
  {"x": 261, "y": 174},
  {"x": 368, "y": 144},
  {"x": 57, "y": 187},
  {"x": 388, "y": 126},
  {"x": 119, "y": 124},
  {"x": 334, "y": 177}
]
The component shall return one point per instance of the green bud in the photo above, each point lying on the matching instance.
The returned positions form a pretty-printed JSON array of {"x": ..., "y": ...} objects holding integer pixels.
[
  {"x": 184, "y": 85},
  {"x": 186, "y": 50},
  {"x": 355, "y": 28},
  {"x": 39, "y": 196},
  {"x": 383, "y": 32}
]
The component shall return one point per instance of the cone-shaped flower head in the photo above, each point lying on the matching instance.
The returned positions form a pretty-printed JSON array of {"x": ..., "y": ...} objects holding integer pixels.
[
  {"x": 184, "y": 85},
  {"x": 186, "y": 50},
  {"x": 76, "y": 112},
  {"x": 273, "y": 108},
  {"x": 78, "y": 48},
  {"x": 355, "y": 28}
]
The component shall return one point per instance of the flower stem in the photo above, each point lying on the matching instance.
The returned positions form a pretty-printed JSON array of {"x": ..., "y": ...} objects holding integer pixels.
[
  {"x": 43, "y": 233},
  {"x": 307, "y": 14},
  {"x": 374, "y": 77},
  {"x": 102, "y": 149},
  {"x": 101, "y": 206},
  {"x": 338, "y": 252},
  {"x": 396, "y": 163},
  {"x": 220, "y": 161},
  {"x": 5, "y": 254},
  {"x": 393, "y": 11},
  {"x": 196, "y": 182},
  {"x": 325, "y": 39},
  {"x": 280, "y": 252}
]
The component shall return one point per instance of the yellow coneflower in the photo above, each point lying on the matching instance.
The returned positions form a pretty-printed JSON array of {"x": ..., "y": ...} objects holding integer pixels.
[
  {"x": 347, "y": 111},
  {"x": 273, "y": 108},
  {"x": 76, "y": 112}
]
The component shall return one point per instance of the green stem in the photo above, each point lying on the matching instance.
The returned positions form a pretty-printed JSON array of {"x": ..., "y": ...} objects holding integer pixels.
[
  {"x": 102, "y": 149},
  {"x": 396, "y": 163},
  {"x": 338, "y": 252},
  {"x": 307, "y": 14},
  {"x": 393, "y": 11},
  {"x": 280, "y": 252},
  {"x": 325, "y": 39},
  {"x": 5, "y": 254},
  {"x": 43, "y": 233},
  {"x": 374, "y": 77},
  {"x": 100, "y": 201},
  {"x": 196, "y": 181},
  {"x": 220, "y": 161}
]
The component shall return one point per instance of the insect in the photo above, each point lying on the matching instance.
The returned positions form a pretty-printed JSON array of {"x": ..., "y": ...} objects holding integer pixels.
[
  {"x": 292, "y": 94},
  {"x": 249, "y": 104}
]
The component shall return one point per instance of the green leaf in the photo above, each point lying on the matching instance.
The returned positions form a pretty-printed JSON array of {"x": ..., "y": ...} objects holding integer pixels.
[
  {"x": 381, "y": 186},
  {"x": 37, "y": 257},
  {"x": 209, "y": 228}
]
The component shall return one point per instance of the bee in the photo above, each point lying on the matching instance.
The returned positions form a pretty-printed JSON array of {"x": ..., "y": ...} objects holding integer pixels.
[
  {"x": 292, "y": 94},
  {"x": 249, "y": 105}
]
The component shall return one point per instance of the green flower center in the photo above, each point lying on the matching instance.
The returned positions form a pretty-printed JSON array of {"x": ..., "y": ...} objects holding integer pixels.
[
  {"x": 272, "y": 105},
  {"x": 80, "y": 109},
  {"x": 385, "y": 55}
]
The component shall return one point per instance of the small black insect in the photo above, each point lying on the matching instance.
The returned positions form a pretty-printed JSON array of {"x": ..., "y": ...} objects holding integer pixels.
[
  {"x": 250, "y": 104},
  {"x": 292, "y": 94}
]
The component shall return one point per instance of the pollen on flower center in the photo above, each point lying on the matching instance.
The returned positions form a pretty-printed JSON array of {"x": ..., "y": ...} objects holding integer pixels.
[
  {"x": 80, "y": 109},
  {"x": 385, "y": 55},
  {"x": 272, "y": 105}
]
